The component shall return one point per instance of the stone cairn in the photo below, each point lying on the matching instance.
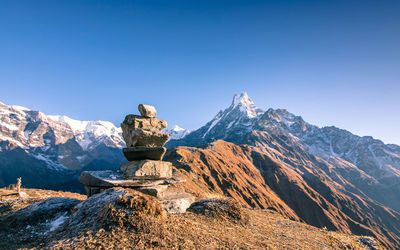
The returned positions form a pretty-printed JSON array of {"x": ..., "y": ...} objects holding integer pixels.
[{"x": 145, "y": 171}]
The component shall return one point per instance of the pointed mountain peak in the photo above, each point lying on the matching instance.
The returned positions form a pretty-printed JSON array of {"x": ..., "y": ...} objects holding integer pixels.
[
  {"x": 243, "y": 99},
  {"x": 246, "y": 105}
]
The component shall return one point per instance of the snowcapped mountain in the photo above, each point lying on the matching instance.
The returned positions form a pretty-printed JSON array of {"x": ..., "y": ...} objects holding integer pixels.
[
  {"x": 235, "y": 121},
  {"x": 243, "y": 123},
  {"x": 44, "y": 149},
  {"x": 26, "y": 128},
  {"x": 89, "y": 134},
  {"x": 372, "y": 156},
  {"x": 242, "y": 116},
  {"x": 176, "y": 132}
]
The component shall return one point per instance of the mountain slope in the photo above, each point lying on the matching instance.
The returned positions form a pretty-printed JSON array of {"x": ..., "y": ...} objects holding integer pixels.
[{"x": 297, "y": 185}]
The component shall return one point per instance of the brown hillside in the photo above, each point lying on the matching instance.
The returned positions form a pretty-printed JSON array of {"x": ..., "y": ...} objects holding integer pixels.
[{"x": 287, "y": 180}]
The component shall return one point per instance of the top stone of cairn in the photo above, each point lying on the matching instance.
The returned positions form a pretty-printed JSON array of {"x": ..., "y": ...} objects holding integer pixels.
[{"x": 147, "y": 110}]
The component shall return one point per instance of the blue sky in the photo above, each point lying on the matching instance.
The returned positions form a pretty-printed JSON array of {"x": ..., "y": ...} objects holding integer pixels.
[{"x": 332, "y": 62}]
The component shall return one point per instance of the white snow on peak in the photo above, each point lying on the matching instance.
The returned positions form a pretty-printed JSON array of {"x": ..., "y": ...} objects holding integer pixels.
[
  {"x": 20, "y": 108},
  {"x": 87, "y": 132},
  {"x": 15, "y": 107},
  {"x": 246, "y": 105},
  {"x": 176, "y": 132},
  {"x": 214, "y": 122},
  {"x": 242, "y": 98}
]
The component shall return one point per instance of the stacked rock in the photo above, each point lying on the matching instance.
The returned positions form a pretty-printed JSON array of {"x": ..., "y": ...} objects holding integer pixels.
[
  {"x": 145, "y": 143},
  {"x": 145, "y": 170}
]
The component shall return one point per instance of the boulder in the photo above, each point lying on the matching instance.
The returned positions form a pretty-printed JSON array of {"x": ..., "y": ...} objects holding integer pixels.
[
  {"x": 139, "y": 122},
  {"x": 147, "y": 110},
  {"x": 177, "y": 205},
  {"x": 143, "y": 138},
  {"x": 226, "y": 208},
  {"x": 137, "y": 154},
  {"x": 147, "y": 169}
]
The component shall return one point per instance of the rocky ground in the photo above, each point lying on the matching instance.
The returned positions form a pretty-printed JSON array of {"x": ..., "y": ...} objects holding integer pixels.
[{"x": 119, "y": 218}]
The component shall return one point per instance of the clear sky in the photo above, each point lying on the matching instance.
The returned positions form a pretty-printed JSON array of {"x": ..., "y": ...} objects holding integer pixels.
[{"x": 332, "y": 62}]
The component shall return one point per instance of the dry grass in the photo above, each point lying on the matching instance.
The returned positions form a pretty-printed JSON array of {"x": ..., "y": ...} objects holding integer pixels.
[
  {"x": 130, "y": 209},
  {"x": 225, "y": 208},
  {"x": 10, "y": 201},
  {"x": 137, "y": 221},
  {"x": 264, "y": 230},
  {"x": 6, "y": 194}
]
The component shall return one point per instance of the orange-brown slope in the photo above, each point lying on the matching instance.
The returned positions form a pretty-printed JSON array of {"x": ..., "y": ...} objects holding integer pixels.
[
  {"x": 293, "y": 185},
  {"x": 225, "y": 169}
]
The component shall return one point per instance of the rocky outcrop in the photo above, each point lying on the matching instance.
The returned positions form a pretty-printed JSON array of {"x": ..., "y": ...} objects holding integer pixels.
[{"x": 145, "y": 171}]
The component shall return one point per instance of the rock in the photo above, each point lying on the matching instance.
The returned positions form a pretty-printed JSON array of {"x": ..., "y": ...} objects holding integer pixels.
[
  {"x": 143, "y": 138},
  {"x": 139, "y": 122},
  {"x": 108, "y": 178},
  {"x": 147, "y": 110},
  {"x": 136, "y": 154},
  {"x": 156, "y": 191},
  {"x": 164, "y": 192},
  {"x": 226, "y": 208},
  {"x": 368, "y": 242},
  {"x": 177, "y": 205},
  {"x": 115, "y": 206},
  {"x": 147, "y": 169},
  {"x": 35, "y": 219}
]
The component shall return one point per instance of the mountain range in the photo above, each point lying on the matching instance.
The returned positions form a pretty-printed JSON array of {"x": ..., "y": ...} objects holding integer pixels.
[
  {"x": 326, "y": 177},
  {"x": 243, "y": 123}
]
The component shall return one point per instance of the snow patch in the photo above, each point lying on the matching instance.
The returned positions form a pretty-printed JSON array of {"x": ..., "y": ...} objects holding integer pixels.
[
  {"x": 57, "y": 222},
  {"x": 20, "y": 108},
  {"x": 50, "y": 163},
  {"x": 213, "y": 123}
]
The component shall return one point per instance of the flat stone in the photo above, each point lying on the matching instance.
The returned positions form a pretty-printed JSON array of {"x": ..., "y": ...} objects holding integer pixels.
[
  {"x": 156, "y": 191},
  {"x": 137, "y": 154},
  {"x": 108, "y": 178},
  {"x": 147, "y": 169},
  {"x": 147, "y": 110},
  {"x": 143, "y": 138},
  {"x": 164, "y": 192},
  {"x": 139, "y": 122}
]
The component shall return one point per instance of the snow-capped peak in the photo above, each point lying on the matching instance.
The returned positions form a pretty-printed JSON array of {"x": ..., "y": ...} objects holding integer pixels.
[
  {"x": 87, "y": 132},
  {"x": 176, "y": 132},
  {"x": 20, "y": 108},
  {"x": 246, "y": 105}
]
